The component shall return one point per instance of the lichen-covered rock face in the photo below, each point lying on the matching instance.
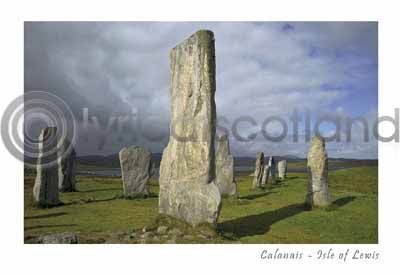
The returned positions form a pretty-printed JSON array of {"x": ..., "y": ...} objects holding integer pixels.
[
  {"x": 317, "y": 164},
  {"x": 136, "y": 171},
  {"x": 258, "y": 171},
  {"x": 45, "y": 190},
  {"x": 59, "y": 238},
  {"x": 66, "y": 167},
  {"x": 224, "y": 168},
  {"x": 282, "y": 168},
  {"x": 187, "y": 170}
]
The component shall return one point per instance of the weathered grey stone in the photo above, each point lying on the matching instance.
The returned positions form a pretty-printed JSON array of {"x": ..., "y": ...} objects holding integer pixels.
[
  {"x": 265, "y": 176},
  {"x": 45, "y": 190},
  {"x": 59, "y": 238},
  {"x": 317, "y": 165},
  {"x": 258, "y": 171},
  {"x": 136, "y": 171},
  {"x": 66, "y": 167},
  {"x": 175, "y": 232},
  {"x": 162, "y": 229},
  {"x": 224, "y": 168},
  {"x": 272, "y": 166},
  {"x": 282, "y": 169},
  {"x": 187, "y": 171}
]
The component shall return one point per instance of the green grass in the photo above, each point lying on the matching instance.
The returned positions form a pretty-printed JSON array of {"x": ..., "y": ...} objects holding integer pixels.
[{"x": 274, "y": 216}]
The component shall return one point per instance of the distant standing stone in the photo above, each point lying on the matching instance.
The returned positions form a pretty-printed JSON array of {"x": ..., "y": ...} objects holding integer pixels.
[
  {"x": 317, "y": 165},
  {"x": 136, "y": 170},
  {"x": 272, "y": 166},
  {"x": 282, "y": 168},
  {"x": 45, "y": 190},
  {"x": 258, "y": 171},
  {"x": 187, "y": 171},
  {"x": 66, "y": 167},
  {"x": 224, "y": 168},
  {"x": 265, "y": 176}
]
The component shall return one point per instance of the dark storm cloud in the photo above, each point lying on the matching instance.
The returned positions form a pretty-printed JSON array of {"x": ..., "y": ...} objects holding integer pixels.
[{"x": 122, "y": 69}]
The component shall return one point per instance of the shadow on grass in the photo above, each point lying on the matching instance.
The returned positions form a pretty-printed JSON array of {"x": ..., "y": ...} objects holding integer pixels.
[
  {"x": 99, "y": 190},
  {"x": 344, "y": 200},
  {"x": 259, "y": 224},
  {"x": 49, "y": 226},
  {"x": 255, "y": 196},
  {"x": 46, "y": 215}
]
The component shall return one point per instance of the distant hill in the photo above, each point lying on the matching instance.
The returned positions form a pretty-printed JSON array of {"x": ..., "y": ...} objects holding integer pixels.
[{"x": 112, "y": 161}]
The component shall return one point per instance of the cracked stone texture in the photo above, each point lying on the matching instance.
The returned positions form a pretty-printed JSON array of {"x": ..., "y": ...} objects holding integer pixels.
[
  {"x": 224, "y": 168},
  {"x": 258, "y": 171},
  {"x": 66, "y": 167},
  {"x": 187, "y": 170},
  {"x": 317, "y": 165},
  {"x": 282, "y": 169},
  {"x": 136, "y": 171},
  {"x": 45, "y": 190}
]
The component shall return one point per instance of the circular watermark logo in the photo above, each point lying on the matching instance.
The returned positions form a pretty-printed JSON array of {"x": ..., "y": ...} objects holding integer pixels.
[{"x": 25, "y": 128}]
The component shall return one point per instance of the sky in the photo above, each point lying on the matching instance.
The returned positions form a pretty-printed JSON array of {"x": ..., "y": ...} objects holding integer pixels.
[{"x": 116, "y": 71}]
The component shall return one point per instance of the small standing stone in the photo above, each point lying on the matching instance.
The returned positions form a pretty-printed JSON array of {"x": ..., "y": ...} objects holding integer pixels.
[
  {"x": 258, "y": 171},
  {"x": 45, "y": 190},
  {"x": 282, "y": 168},
  {"x": 136, "y": 171},
  {"x": 224, "y": 168},
  {"x": 265, "y": 176},
  {"x": 66, "y": 167},
  {"x": 317, "y": 165},
  {"x": 272, "y": 166}
]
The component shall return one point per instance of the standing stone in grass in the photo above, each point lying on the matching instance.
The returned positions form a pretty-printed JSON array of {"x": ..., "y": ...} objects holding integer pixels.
[
  {"x": 258, "y": 171},
  {"x": 224, "y": 168},
  {"x": 66, "y": 167},
  {"x": 45, "y": 190},
  {"x": 317, "y": 165},
  {"x": 282, "y": 168},
  {"x": 136, "y": 171},
  {"x": 187, "y": 170},
  {"x": 272, "y": 166},
  {"x": 265, "y": 176}
]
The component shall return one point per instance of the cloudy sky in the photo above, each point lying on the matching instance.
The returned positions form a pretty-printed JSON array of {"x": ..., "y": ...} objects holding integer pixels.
[{"x": 120, "y": 71}]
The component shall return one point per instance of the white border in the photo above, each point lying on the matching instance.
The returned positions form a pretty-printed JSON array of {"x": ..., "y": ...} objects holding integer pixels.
[{"x": 192, "y": 259}]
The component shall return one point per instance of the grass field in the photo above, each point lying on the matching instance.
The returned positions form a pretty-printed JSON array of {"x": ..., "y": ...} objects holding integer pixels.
[{"x": 97, "y": 211}]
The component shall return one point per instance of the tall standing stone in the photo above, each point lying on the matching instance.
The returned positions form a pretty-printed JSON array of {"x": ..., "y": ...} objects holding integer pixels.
[
  {"x": 224, "y": 168},
  {"x": 317, "y": 165},
  {"x": 136, "y": 169},
  {"x": 45, "y": 190},
  {"x": 187, "y": 170},
  {"x": 258, "y": 170},
  {"x": 66, "y": 167},
  {"x": 282, "y": 169}
]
